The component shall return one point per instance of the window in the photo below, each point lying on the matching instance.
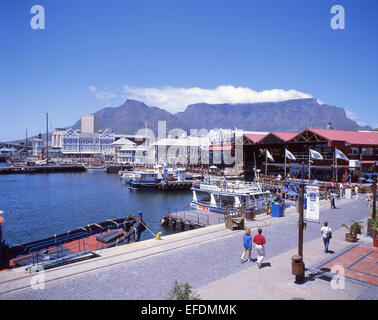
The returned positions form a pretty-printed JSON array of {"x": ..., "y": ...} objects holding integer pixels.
[
  {"x": 368, "y": 151},
  {"x": 353, "y": 151}
]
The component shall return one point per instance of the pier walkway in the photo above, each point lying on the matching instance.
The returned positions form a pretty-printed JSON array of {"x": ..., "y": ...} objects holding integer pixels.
[{"x": 209, "y": 260}]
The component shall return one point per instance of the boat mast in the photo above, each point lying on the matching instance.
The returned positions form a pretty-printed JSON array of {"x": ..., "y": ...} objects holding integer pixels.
[
  {"x": 47, "y": 138},
  {"x": 334, "y": 152}
]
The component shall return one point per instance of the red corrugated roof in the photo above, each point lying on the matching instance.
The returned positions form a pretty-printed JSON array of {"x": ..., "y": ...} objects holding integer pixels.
[
  {"x": 284, "y": 136},
  {"x": 352, "y": 137},
  {"x": 255, "y": 137}
]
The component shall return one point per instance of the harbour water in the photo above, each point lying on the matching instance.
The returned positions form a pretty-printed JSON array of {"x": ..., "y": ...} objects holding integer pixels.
[{"x": 40, "y": 205}]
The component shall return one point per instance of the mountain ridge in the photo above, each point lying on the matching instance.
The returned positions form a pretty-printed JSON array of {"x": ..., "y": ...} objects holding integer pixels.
[{"x": 287, "y": 116}]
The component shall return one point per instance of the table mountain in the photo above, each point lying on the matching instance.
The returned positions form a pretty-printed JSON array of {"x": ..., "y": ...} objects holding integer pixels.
[{"x": 291, "y": 115}]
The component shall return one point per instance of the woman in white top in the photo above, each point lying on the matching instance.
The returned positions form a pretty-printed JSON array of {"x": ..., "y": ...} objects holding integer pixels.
[{"x": 326, "y": 233}]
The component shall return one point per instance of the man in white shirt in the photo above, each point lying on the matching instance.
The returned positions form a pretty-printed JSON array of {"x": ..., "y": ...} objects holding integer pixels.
[
  {"x": 341, "y": 191},
  {"x": 326, "y": 233},
  {"x": 356, "y": 192}
]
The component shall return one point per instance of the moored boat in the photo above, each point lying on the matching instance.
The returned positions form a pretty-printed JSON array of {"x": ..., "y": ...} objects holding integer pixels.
[
  {"x": 73, "y": 245},
  {"x": 151, "y": 178},
  {"x": 222, "y": 196},
  {"x": 95, "y": 168},
  {"x": 126, "y": 176}
]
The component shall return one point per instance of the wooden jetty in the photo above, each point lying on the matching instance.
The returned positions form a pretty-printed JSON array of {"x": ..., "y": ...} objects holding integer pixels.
[{"x": 191, "y": 219}]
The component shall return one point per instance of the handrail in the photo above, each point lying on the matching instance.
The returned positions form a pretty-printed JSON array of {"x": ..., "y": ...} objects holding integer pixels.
[{"x": 58, "y": 241}]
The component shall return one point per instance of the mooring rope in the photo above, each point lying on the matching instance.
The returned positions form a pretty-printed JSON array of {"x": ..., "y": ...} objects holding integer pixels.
[{"x": 147, "y": 228}]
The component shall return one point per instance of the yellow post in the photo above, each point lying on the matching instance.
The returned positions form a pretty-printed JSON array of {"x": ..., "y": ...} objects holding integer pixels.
[{"x": 158, "y": 236}]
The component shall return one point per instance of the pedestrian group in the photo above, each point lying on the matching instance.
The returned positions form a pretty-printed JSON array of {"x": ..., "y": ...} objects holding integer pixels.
[{"x": 259, "y": 241}]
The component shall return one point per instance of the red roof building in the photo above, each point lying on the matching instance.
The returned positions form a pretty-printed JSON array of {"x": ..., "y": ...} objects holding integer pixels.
[{"x": 356, "y": 145}]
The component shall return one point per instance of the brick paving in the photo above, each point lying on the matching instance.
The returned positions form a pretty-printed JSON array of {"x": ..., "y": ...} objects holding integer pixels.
[
  {"x": 360, "y": 263},
  {"x": 152, "y": 277}
]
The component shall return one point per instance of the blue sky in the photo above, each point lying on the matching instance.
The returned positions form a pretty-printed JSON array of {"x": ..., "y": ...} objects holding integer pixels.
[{"x": 91, "y": 49}]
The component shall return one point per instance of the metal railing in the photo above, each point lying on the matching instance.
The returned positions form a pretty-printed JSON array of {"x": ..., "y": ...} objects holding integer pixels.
[{"x": 58, "y": 256}]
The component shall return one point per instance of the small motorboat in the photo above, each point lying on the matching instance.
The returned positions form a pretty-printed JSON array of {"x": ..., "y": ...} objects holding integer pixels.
[{"x": 95, "y": 169}]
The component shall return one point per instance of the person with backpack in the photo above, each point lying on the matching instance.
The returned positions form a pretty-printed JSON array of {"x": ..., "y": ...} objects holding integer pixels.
[{"x": 326, "y": 233}]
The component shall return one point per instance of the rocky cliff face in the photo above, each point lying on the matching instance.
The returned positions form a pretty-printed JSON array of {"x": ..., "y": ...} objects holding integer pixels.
[{"x": 291, "y": 115}]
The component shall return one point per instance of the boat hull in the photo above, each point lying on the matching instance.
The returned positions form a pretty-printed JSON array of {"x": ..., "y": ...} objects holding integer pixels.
[
  {"x": 135, "y": 185},
  {"x": 95, "y": 170},
  {"x": 201, "y": 206}
]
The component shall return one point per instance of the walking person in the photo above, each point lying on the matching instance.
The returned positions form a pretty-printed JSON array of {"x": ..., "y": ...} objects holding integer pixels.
[
  {"x": 341, "y": 191},
  {"x": 247, "y": 242},
  {"x": 326, "y": 233},
  {"x": 259, "y": 241},
  {"x": 369, "y": 198},
  {"x": 356, "y": 192},
  {"x": 332, "y": 199}
]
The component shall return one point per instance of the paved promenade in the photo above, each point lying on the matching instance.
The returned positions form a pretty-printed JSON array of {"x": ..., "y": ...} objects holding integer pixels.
[{"x": 209, "y": 260}]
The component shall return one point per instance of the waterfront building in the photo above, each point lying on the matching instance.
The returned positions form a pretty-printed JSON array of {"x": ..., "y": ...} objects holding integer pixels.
[
  {"x": 360, "y": 147},
  {"x": 90, "y": 123},
  {"x": 37, "y": 145},
  {"x": 86, "y": 144},
  {"x": 57, "y": 137},
  {"x": 132, "y": 149},
  {"x": 185, "y": 150},
  {"x": 133, "y": 155},
  {"x": 136, "y": 138}
]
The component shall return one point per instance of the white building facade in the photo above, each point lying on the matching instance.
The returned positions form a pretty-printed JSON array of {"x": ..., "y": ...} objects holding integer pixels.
[
  {"x": 38, "y": 144},
  {"x": 128, "y": 152},
  {"x": 88, "y": 144}
]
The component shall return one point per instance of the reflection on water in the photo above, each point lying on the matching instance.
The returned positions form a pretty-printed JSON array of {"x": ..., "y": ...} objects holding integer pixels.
[{"x": 41, "y": 205}]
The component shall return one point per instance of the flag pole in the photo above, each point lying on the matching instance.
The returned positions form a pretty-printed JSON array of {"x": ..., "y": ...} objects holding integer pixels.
[
  {"x": 266, "y": 161},
  {"x": 333, "y": 167},
  {"x": 309, "y": 164},
  {"x": 285, "y": 162},
  {"x": 336, "y": 164}
]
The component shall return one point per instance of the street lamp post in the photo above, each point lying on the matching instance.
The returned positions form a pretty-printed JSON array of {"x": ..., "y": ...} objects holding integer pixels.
[
  {"x": 374, "y": 189},
  {"x": 298, "y": 266},
  {"x": 372, "y": 177}
]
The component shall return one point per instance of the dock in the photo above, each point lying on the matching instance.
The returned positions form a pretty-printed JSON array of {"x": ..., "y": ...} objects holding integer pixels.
[
  {"x": 191, "y": 219},
  {"x": 42, "y": 169},
  {"x": 209, "y": 260},
  {"x": 175, "y": 185}
]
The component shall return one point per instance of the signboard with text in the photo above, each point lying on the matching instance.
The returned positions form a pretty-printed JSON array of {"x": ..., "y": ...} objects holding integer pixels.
[{"x": 312, "y": 207}]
